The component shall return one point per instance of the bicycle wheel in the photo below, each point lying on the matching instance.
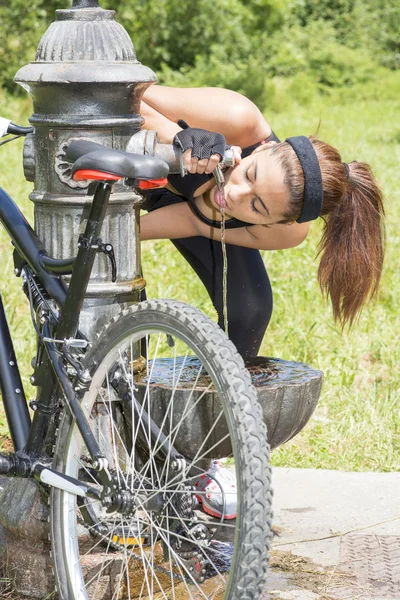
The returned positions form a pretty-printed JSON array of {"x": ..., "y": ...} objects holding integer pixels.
[{"x": 159, "y": 421}]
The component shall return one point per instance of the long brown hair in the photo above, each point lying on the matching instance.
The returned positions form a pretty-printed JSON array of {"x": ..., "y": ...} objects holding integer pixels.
[{"x": 352, "y": 244}]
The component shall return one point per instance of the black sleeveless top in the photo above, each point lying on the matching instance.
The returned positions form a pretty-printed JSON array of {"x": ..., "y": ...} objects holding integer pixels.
[{"x": 188, "y": 185}]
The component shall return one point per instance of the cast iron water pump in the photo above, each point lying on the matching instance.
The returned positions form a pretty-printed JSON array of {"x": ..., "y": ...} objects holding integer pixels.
[{"x": 86, "y": 83}]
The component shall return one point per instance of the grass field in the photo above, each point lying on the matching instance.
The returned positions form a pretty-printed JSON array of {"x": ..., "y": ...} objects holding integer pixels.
[{"x": 357, "y": 423}]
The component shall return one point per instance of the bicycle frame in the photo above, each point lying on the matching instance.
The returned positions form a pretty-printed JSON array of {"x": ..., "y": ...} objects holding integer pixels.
[{"x": 29, "y": 437}]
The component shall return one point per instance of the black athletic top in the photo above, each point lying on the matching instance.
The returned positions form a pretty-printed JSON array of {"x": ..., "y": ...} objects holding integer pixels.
[{"x": 188, "y": 185}]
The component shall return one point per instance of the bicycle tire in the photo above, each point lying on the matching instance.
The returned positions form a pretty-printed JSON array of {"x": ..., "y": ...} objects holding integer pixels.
[{"x": 247, "y": 432}]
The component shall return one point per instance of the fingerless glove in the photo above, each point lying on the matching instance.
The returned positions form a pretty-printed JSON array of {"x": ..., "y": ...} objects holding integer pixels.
[{"x": 202, "y": 142}]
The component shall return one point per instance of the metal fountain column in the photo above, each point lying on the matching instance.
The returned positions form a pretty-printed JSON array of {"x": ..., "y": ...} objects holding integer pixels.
[{"x": 86, "y": 83}]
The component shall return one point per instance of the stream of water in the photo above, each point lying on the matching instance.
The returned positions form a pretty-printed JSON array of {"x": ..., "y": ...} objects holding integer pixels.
[{"x": 224, "y": 272}]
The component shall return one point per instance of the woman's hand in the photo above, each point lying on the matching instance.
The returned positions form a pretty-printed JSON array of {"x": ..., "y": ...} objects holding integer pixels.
[
  {"x": 203, "y": 165},
  {"x": 202, "y": 149}
]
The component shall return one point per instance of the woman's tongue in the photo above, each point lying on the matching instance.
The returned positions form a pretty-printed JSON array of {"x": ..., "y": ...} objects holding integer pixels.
[{"x": 219, "y": 197}]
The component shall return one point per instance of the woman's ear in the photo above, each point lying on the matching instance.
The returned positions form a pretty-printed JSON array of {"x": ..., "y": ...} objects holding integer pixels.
[
  {"x": 286, "y": 222},
  {"x": 265, "y": 146}
]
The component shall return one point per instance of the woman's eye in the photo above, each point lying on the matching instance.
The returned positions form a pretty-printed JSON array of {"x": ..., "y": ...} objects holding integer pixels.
[{"x": 253, "y": 208}]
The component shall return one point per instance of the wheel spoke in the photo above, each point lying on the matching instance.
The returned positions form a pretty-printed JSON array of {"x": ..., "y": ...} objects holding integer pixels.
[{"x": 161, "y": 532}]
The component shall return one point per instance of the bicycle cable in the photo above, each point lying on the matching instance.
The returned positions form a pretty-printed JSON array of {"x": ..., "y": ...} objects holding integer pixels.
[
  {"x": 29, "y": 280},
  {"x": 11, "y": 139},
  {"x": 80, "y": 343}
]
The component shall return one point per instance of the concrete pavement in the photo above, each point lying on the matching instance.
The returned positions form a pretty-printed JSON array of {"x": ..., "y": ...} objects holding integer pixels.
[{"x": 337, "y": 536}]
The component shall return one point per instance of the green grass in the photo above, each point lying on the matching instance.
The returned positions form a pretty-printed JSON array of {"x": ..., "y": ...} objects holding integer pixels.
[{"x": 357, "y": 423}]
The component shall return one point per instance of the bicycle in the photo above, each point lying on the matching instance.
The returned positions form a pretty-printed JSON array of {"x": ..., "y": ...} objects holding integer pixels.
[{"x": 122, "y": 429}]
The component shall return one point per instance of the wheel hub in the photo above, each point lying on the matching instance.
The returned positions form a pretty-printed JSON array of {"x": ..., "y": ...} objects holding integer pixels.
[
  {"x": 126, "y": 501},
  {"x": 122, "y": 501}
]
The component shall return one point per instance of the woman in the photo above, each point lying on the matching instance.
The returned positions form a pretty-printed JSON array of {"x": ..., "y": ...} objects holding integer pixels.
[{"x": 270, "y": 196}]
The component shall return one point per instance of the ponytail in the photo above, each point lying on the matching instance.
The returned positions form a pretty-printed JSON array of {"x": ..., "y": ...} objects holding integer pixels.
[{"x": 352, "y": 244}]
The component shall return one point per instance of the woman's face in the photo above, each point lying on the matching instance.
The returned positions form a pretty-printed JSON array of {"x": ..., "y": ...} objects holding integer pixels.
[{"x": 254, "y": 189}]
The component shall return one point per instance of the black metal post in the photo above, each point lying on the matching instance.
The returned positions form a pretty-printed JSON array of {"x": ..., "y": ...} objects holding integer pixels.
[
  {"x": 12, "y": 391},
  {"x": 84, "y": 262}
]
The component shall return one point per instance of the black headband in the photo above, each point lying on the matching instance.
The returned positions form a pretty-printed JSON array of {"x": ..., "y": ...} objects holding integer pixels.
[{"x": 313, "y": 190}]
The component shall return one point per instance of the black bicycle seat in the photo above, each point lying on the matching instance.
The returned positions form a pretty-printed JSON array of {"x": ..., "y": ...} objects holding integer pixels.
[{"x": 89, "y": 155}]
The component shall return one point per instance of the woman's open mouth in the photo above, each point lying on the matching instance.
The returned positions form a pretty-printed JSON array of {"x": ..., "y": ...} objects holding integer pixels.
[{"x": 219, "y": 198}]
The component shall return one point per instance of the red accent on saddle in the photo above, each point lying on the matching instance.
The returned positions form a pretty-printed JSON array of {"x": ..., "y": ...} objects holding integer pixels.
[
  {"x": 98, "y": 175},
  {"x": 153, "y": 183}
]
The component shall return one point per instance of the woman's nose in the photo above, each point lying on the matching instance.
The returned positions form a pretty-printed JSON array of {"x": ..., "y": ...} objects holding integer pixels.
[{"x": 238, "y": 193}]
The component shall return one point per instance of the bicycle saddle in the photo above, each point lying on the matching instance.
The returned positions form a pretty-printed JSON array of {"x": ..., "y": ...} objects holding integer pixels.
[{"x": 89, "y": 155}]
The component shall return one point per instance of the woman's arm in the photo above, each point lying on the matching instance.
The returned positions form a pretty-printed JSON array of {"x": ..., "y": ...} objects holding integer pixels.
[
  {"x": 169, "y": 223},
  {"x": 178, "y": 221},
  {"x": 215, "y": 109},
  {"x": 153, "y": 119}
]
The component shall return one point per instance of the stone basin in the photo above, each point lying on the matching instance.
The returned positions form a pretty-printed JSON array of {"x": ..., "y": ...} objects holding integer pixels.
[{"x": 287, "y": 391}]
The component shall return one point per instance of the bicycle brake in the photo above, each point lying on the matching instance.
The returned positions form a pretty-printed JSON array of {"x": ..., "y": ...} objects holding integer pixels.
[
  {"x": 194, "y": 565},
  {"x": 106, "y": 248}
]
